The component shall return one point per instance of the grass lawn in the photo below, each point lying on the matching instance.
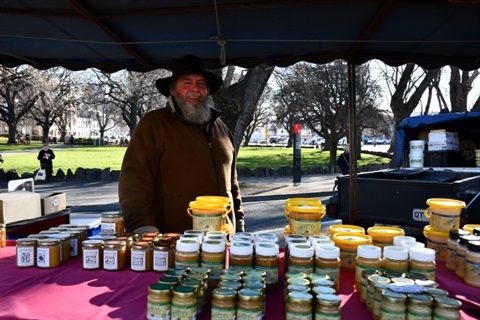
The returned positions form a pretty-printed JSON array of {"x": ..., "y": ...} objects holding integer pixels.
[{"x": 24, "y": 158}]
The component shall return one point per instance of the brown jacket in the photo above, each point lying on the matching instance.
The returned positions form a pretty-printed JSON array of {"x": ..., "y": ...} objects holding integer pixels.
[{"x": 168, "y": 163}]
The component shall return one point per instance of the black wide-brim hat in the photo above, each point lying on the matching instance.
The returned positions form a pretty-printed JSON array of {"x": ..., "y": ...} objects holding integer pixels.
[{"x": 189, "y": 64}]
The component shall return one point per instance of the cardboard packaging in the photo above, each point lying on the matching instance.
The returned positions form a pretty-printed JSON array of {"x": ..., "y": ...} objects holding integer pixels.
[
  {"x": 54, "y": 202},
  {"x": 19, "y": 205},
  {"x": 443, "y": 140}
]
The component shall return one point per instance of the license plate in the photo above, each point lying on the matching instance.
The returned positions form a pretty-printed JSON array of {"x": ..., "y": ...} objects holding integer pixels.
[{"x": 419, "y": 216}]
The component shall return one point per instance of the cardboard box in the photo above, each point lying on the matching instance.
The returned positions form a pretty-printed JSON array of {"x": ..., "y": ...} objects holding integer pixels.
[
  {"x": 443, "y": 140},
  {"x": 54, "y": 202},
  {"x": 443, "y": 146},
  {"x": 19, "y": 205}
]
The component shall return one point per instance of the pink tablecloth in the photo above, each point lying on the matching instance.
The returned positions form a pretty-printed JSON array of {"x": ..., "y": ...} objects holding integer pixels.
[{"x": 69, "y": 292}]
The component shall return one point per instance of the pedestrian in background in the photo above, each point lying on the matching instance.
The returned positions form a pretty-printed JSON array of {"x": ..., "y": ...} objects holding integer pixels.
[
  {"x": 46, "y": 156},
  {"x": 343, "y": 160},
  {"x": 71, "y": 140}
]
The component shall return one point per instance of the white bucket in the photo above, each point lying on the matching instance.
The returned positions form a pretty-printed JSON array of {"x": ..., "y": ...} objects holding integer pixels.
[
  {"x": 417, "y": 146},
  {"x": 416, "y": 160}
]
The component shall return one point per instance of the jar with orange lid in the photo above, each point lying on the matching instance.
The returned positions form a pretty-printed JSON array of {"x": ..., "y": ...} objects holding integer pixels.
[
  {"x": 368, "y": 257},
  {"x": 452, "y": 244},
  {"x": 92, "y": 254},
  {"x": 114, "y": 255},
  {"x": 267, "y": 259},
  {"x": 26, "y": 252},
  {"x": 327, "y": 261},
  {"x": 460, "y": 254},
  {"x": 48, "y": 253},
  {"x": 241, "y": 256},
  {"x": 298, "y": 306},
  {"x": 383, "y": 236},
  {"x": 249, "y": 304},
  {"x": 163, "y": 255},
  {"x": 395, "y": 258},
  {"x": 112, "y": 223},
  {"x": 141, "y": 256},
  {"x": 348, "y": 243},
  {"x": 472, "y": 264},
  {"x": 224, "y": 305},
  {"x": 301, "y": 259},
  {"x": 213, "y": 257},
  {"x": 184, "y": 304},
  {"x": 187, "y": 253},
  {"x": 422, "y": 260},
  {"x": 437, "y": 241},
  {"x": 159, "y": 301}
]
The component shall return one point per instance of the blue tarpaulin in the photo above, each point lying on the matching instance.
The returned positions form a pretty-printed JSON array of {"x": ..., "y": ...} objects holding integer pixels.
[{"x": 408, "y": 129}]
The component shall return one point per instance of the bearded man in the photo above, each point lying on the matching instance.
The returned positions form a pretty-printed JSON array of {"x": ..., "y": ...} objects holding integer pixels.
[{"x": 178, "y": 153}]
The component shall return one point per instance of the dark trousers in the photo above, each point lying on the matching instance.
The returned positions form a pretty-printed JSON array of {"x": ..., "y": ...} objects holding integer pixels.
[{"x": 48, "y": 169}]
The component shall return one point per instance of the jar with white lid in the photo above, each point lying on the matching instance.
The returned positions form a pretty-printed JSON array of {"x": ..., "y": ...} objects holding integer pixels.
[
  {"x": 452, "y": 244},
  {"x": 368, "y": 257},
  {"x": 472, "y": 264},
  {"x": 213, "y": 257},
  {"x": 267, "y": 259},
  {"x": 422, "y": 260},
  {"x": 395, "y": 258},
  {"x": 265, "y": 236},
  {"x": 241, "y": 256},
  {"x": 327, "y": 261},
  {"x": 397, "y": 240},
  {"x": 187, "y": 253},
  {"x": 460, "y": 254},
  {"x": 300, "y": 258}
]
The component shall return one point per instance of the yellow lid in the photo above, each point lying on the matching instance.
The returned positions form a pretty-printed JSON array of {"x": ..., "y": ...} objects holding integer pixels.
[
  {"x": 336, "y": 228},
  {"x": 300, "y": 201},
  {"x": 307, "y": 208},
  {"x": 206, "y": 205},
  {"x": 351, "y": 238},
  {"x": 469, "y": 227},
  {"x": 446, "y": 203},
  {"x": 428, "y": 230},
  {"x": 212, "y": 199},
  {"x": 385, "y": 231}
]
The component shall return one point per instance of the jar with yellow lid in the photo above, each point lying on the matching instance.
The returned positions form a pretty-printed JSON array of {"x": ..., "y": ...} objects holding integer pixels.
[
  {"x": 452, "y": 244},
  {"x": 378, "y": 288},
  {"x": 372, "y": 280},
  {"x": 419, "y": 307},
  {"x": 249, "y": 305},
  {"x": 187, "y": 253},
  {"x": 437, "y": 241},
  {"x": 460, "y": 254},
  {"x": 395, "y": 258},
  {"x": 304, "y": 217},
  {"x": 328, "y": 307},
  {"x": 159, "y": 303},
  {"x": 92, "y": 254},
  {"x": 299, "y": 306},
  {"x": 213, "y": 257},
  {"x": 444, "y": 214},
  {"x": 48, "y": 253},
  {"x": 184, "y": 303},
  {"x": 224, "y": 305},
  {"x": 393, "y": 306},
  {"x": 383, "y": 236},
  {"x": 114, "y": 255},
  {"x": 301, "y": 258},
  {"x": 368, "y": 257},
  {"x": 422, "y": 260},
  {"x": 470, "y": 228},
  {"x": 163, "y": 255},
  {"x": 267, "y": 259},
  {"x": 447, "y": 309},
  {"x": 472, "y": 264},
  {"x": 3, "y": 235},
  {"x": 345, "y": 228},
  {"x": 348, "y": 243},
  {"x": 241, "y": 256},
  {"x": 141, "y": 256},
  {"x": 112, "y": 223},
  {"x": 327, "y": 261},
  {"x": 208, "y": 214},
  {"x": 26, "y": 252},
  {"x": 64, "y": 245}
]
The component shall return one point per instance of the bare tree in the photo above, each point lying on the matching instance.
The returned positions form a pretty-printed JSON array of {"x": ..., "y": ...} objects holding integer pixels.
[
  {"x": 261, "y": 117},
  {"x": 17, "y": 97},
  {"x": 461, "y": 83}
]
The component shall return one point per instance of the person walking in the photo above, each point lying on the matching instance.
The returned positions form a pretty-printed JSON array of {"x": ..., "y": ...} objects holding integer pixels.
[
  {"x": 343, "y": 160},
  {"x": 46, "y": 156},
  {"x": 71, "y": 140},
  {"x": 177, "y": 153}
]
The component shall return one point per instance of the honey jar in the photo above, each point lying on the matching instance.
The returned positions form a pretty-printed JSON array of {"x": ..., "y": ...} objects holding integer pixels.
[
  {"x": 48, "y": 253},
  {"x": 26, "y": 252}
]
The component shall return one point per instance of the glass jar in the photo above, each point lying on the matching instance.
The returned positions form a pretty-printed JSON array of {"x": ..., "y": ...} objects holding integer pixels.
[
  {"x": 452, "y": 244},
  {"x": 141, "y": 256},
  {"x": 92, "y": 254},
  {"x": 301, "y": 258},
  {"x": 378, "y": 288},
  {"x": 224, "y": 305},
  {"x": 213, "y": 258},
  {"x": 82, "y": 230},
  {"x": 363, "y": 290},
  {"x": 299, "y": 306},
  {"x": 199, "y": 293},
  {"x": 460, "y": 254},
  {"x": 48, "y": 253},
  {"x": 184, "y": 304},
  {"x": 75, "y": 243},
  {"x": 422, "y": 260},
  {"x": 395, "y": 258},
  {"x": 327, "y": 261},
  {"x": 170, "y": 281},
  {"x": 112, "y": 223},
  {"x": 3, "y": 235},
  {"x": 267, "y": 260},
  {"x": 26, "y": 250},
  {"x": 241, "y": 256},
  {"x": 372, "y": 280},
  {"x": 159, "y": 303},
  {"x": 114, "y": 255},
  {"x": 472, "y": 264},
  {"x": 64, "y": 245},
  {"x": 368, "y": 257},
  {"x": 187, "y": 253},
  {"x": 419, "y": 307},
  {"x": 203, "y": 277},
  {"x": 393, "y": 305},
  {"x": 163, "y": 255},
  {"x": 328, "y": 307},
  {"x": 447, "y": 309},
  {"x": 128, "y": 244},
  {"x": 249, "y": 305}
]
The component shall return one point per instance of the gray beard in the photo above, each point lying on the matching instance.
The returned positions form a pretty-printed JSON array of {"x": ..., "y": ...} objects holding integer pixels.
[{"x": 197, "y": 115}]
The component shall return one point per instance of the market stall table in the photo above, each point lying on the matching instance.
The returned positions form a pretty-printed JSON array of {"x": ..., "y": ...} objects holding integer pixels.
[{"x": 69, "y": 292}]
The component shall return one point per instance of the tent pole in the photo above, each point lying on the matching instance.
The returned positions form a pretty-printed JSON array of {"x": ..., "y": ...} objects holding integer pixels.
[{"x": 352, "y": 140}]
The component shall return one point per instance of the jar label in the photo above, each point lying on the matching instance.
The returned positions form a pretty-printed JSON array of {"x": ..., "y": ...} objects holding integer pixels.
[
  {"x": 216, "y": 268},
  {"x": 271, "y": 275},
  {"x": 74, "y": 247},
  {"x": 108, "y": 228},
  {"x": 159, "y": 311},
  {"x": 472, "y": 269},
  {"x": 184, "y": 313},
  {"x": 324, "y": 316},
  {"x": 91, "y": 259},
  {"x": 304, "y": 269},
  {"x": 416, "y": 316},
  {"x": 299, "y": 316},
  {"x": 333, "y": 273},
  {"x": 443, "y": 222},
  {"x": 348, "y": 258},
  {"x": 211, "y": 222},
  {"x": 439, "y": 247},
  {"x": 186, "y": 263},
  {"x": 138, "y": 260},
  {"x": 305, "y": 227},
  {"x": 243, "y": 314},
  {"x": 227, "y": 314},
  {"x": 391, "y": 315},
  {"x": 160, "y": 260},
  {"x": 110, "y": 260},
  {"x": 25, "y": 257},
  {"x": 43, "y": 257},
  {"x": 237, "y": 267}
]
